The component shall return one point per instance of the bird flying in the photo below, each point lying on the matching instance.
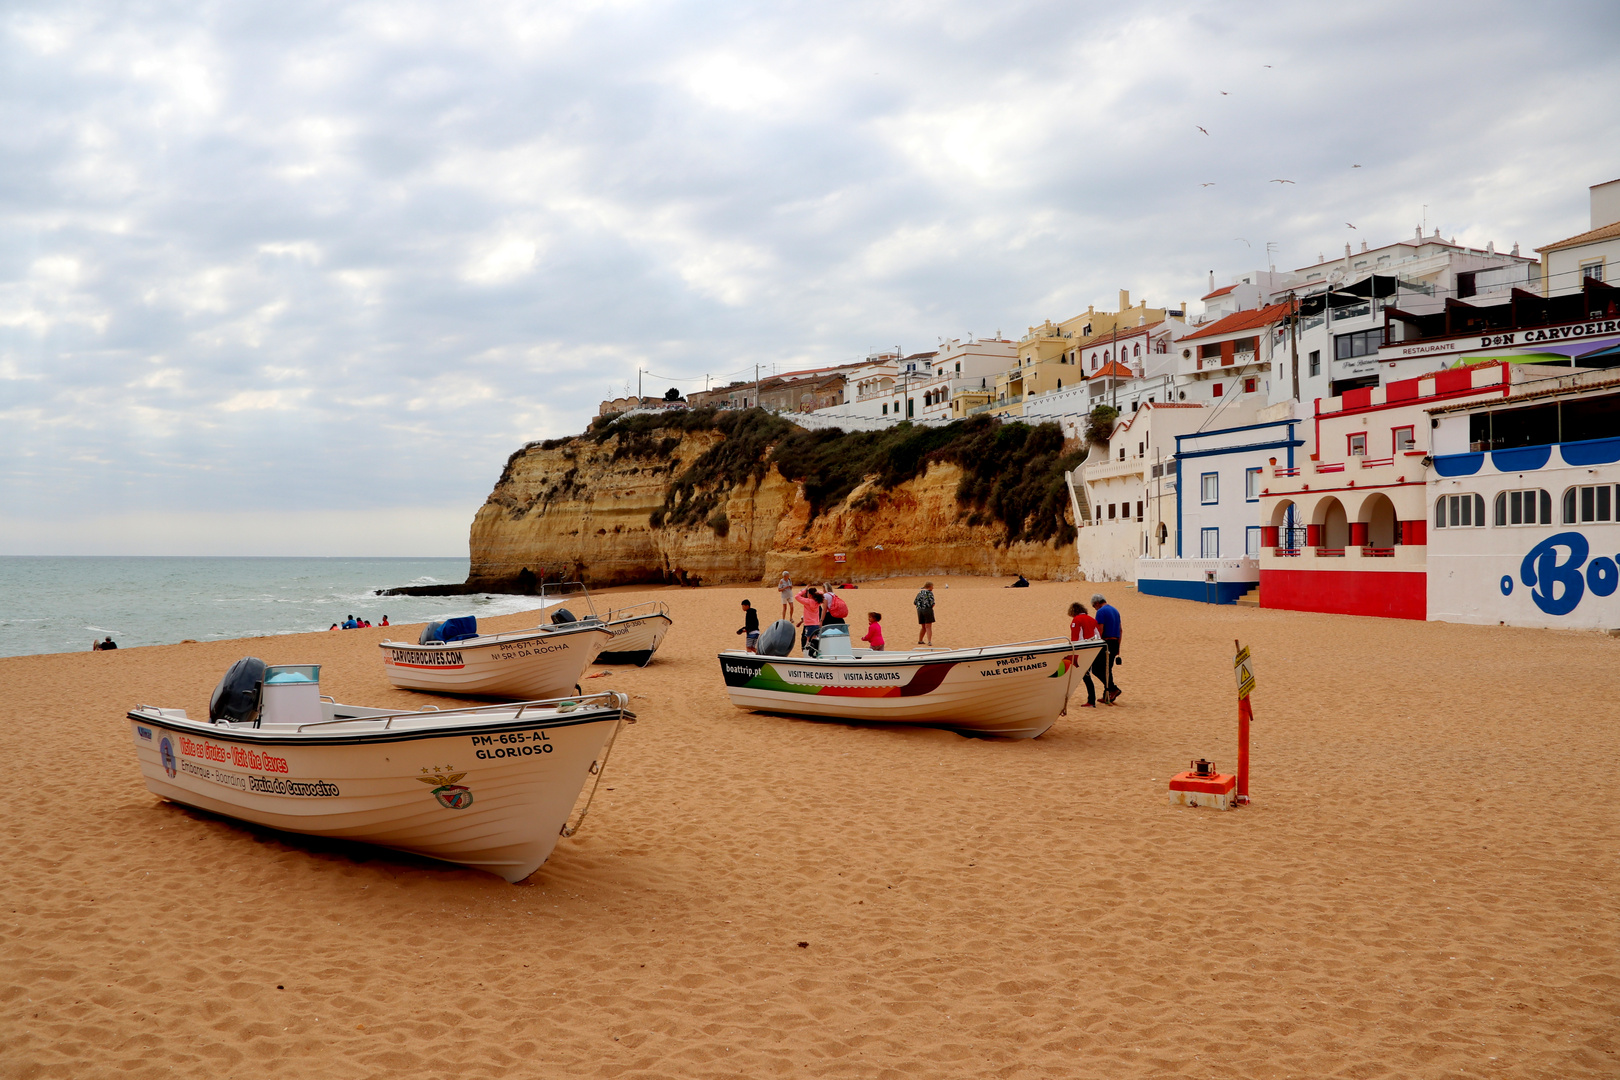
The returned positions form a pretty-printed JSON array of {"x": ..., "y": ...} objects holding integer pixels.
[
  {"x": 1200, "y": 128},
  {"x": 1225, "y": 94},
  {"x": 1355, "y": 166},
  {"x": 1281, "y": 181},
  {"x": 1210, "y": 184},
  {"x": 1235, "y": 238},
  {"x": 1350, "y": 226}
]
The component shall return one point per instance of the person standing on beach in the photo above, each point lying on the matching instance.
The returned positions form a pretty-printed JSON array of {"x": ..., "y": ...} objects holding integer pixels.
[
  {"x": 810, "y": 600},
  {"x": 784, "y": 589},
  {"x": 750, "y": 626},
  {"x": 1083, "y": 627},
  {"x": 925, "y": 614},
  {"x": 1109, "y": 621},
  {"x": 834, "y": 609}
]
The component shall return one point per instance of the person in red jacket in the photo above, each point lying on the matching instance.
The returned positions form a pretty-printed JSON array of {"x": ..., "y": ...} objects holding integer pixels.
[{"x": 1083, "y": 627}]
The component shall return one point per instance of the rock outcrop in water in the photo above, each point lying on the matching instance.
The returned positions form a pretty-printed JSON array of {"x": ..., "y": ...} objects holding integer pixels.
[{"x": 680, "y": 504}]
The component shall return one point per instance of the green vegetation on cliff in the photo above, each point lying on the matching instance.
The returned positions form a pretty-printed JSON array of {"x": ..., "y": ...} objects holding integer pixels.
[{"x": 1012, "y": 472}]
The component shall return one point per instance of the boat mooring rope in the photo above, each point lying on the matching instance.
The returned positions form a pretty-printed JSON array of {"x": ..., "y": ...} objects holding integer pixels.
[{"x": 598, "y": 767}]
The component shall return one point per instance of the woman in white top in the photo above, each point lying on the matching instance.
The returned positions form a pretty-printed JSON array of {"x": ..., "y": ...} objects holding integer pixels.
[{"x": 784, "y": 589}]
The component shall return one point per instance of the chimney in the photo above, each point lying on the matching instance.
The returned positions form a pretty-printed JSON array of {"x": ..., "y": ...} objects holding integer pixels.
[
  {"x": 1364, "y": 245},
  {"x": 1515, "y": 248},
  {"x": 1490, "y": 247},
  {"x": 1212, "y": 281},
  {"x": 1420, "y": 232},
  {"x": 1605, "y": 203},
  {"x": 1124, "y": 299}
]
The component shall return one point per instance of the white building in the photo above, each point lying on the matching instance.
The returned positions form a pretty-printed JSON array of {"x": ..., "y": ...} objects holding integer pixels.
[
  {"x": 1595, "y": 254},
  {"x": 920, "y": 386},
  {"x": 1129, "y": 485},
  {"x": 1524, "y": 499}
]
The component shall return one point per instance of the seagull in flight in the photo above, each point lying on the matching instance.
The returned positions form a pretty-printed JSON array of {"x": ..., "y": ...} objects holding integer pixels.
[
  {"x": 1225, "y": 94},
  {"x": 1281, "y": 181},
  {"x": 1210, "y": 184},
  {"x": 1235, "y": 238},
  {"x": 1355, "y": 166},
  {"x": 1350, "y": 226},
  {"x": 1200, "y": 128}
]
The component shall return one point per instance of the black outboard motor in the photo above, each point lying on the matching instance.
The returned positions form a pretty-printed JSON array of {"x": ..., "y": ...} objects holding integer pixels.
[
  {"x": 562, "y": 615},
  {"x": 239, "y": 694},
  {"x": 778, "y": 639}
]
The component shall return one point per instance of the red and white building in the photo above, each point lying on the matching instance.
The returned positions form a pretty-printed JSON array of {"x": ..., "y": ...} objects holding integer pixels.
[{"x": 1345, "y": 531}]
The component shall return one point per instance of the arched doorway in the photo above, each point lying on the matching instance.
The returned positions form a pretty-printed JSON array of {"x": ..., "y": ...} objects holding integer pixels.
[
  {"x": 1332, "y": 524},
  {"x": 1378, "y": 522},
  {"x": 1284, "y": 532}
]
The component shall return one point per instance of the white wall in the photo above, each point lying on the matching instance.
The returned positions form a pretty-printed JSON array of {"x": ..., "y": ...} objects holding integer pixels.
[{"x": 1497, "y": 574}]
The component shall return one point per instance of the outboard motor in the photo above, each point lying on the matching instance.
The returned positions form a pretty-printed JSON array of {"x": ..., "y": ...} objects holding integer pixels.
[
  {"x": 562, "y": 615},
  {"x": 778, "y": 638},
  {"x": 431, "y": 632},
  {"x": 236, "y": 698}
]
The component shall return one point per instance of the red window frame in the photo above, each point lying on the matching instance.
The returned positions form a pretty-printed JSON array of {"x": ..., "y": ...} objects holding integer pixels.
[
  {"x": 1350, "y": 444},
  {"x": 1215, "y": 390},
  {"x": 1249, "y": 385},
  {"x": 1395, "y": 438}
]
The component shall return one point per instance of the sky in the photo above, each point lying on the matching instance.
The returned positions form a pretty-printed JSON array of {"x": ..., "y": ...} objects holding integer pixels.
[{"x": 296, "y": 278}]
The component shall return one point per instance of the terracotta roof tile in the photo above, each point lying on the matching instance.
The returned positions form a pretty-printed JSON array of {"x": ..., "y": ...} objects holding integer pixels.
[
  {"x": 1218, "y": 292},
  {"x": 1607, "y": 232},
  {"x": 1242, "y": 320},
  {"x": 1114, "y": 368}
]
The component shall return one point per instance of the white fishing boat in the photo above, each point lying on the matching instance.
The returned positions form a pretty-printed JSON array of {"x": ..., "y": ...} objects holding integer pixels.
[
  {"x": 453, "y": 658},
  {"x": 1015, "y": 691},
  {"x": 490, "y": 787},
  {"x": 637, "y": 632}
]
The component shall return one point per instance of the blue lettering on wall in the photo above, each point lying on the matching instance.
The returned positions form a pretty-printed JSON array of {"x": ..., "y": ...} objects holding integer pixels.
[
  {"x": 1602, "y": 575},
  {"x": 1556, "y": 587}
]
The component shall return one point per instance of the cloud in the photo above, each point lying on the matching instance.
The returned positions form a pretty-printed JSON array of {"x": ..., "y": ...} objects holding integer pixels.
[{"x": 344, "y": 258}]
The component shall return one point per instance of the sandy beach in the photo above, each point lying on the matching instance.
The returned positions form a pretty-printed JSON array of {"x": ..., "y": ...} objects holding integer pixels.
[{"x": 1425, "y": 886}]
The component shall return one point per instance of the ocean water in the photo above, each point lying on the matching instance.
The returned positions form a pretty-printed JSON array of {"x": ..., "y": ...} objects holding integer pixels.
[{"x": 51, "y": 604}]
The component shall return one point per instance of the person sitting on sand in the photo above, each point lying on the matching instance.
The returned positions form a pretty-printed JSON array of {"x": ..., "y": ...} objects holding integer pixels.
[
  {"x": 874, "y": 631},
  {"x": 384, "y": 622},
  {"x": 750, "y": 626},
  {"x": 1083, "y": 627},
  {"x": 810, "y": 600},
  {"x": 334, "y": 626},
  {"x": 106, "y": 643},
  {"x": 925, "y": 613},
  {"x": 1021, "y": 583}
]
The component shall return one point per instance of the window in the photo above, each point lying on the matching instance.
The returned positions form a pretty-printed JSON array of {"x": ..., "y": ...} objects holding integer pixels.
[
  {"x": 1459, "y": 512},
  {"x": 1316, "y": 361},
  {"x": 1209, "y": 543},
  {"x": 1251, "y": 541},
  {"x": 1209, "y": 488},
  {"x": 1214, "y": 389},
  {"x": 1208, "y": 352},
  {"x": 1111, "y": 511},
  {"x": 1593, "y": 270},
  {"x": 1138, "y": 509},
  {"x": 1251, "y": 485},
  {"x": 1401, "y": 439},
  {"x": 885, "y": 408},
  {"x": 1361, "y": 343},
  {"x": 1532, "y": 507},
  {"x": 1137, "y": 350},
  {"x": 1358, "y": 444},
  {"x": 1248, "y": 385},
  {"x": 1585, "y": 504}
]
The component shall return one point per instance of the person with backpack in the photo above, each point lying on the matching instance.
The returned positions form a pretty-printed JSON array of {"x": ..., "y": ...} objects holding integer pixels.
[
  {"x": 834, "y": 609},
  {"x": 924, "y": 602}
]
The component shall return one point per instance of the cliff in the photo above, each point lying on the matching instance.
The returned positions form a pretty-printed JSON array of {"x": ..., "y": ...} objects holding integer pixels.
[{"x": 674, "y": 504}]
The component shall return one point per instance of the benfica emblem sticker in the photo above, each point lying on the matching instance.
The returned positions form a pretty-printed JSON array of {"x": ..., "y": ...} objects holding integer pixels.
[{"x": 451, "y": 795}]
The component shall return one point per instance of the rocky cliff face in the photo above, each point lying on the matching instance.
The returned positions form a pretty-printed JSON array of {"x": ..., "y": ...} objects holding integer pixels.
[{"x": 585, "y": 510}]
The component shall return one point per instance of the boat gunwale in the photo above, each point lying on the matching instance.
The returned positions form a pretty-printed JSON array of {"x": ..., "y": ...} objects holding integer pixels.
[
  {"x": 943, "y": 656},
  {"x": 483, "y": 640},
  {"x": 496, "y": 725}
]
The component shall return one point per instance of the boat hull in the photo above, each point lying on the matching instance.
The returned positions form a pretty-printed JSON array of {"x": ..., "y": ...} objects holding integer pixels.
[
  {"x": 634, "y": 640},
  {"x": 1011, "y": 692},
  {"x": 509, "y": 781},
  {"x": 541, "y": 664}
]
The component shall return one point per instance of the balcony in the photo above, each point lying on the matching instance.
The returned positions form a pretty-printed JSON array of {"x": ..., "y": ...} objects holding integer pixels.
[
  {"x": 1329, "y": 467},
  {"x": 1377, "y": 553},
  {"x": 1281, "y": 470},
  {"x": 1329, "y": 553},
  {"x": 1373, "y": 463}
]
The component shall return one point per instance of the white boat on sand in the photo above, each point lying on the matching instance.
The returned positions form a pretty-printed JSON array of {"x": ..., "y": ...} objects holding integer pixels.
[
  {"x": 453, "y": 658},
  {"x": 489, "y": 787},
  {"x": 637, "y": 632},
  {"x": 1014, "y": 691}
]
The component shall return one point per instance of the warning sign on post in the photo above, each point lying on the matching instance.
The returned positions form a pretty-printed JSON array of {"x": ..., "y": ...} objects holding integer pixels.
[{"x": 1245, "y": 672}]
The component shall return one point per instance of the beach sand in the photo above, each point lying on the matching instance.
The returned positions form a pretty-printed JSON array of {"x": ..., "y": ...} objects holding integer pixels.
[{"x": 1425, "y": 886}]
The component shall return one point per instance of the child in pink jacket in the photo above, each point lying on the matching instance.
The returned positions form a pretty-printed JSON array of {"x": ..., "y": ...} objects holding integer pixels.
[{"x": 874, "y": 631}]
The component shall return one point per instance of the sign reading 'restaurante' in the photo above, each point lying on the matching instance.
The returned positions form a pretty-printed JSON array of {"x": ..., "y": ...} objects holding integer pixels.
[{"x": 1539, "y": 336}]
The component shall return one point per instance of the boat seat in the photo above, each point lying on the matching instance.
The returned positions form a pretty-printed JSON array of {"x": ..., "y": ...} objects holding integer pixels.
[{"x": 834, "y": 641}]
